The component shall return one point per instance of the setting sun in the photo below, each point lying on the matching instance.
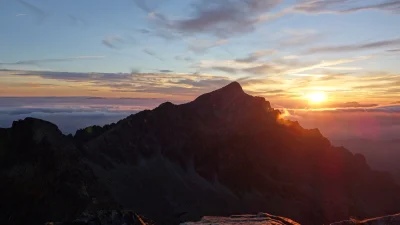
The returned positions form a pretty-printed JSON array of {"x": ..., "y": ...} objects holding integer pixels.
[{"x": 316, "y": 97}]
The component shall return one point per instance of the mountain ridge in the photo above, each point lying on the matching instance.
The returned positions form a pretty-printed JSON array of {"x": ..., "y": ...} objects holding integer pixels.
[{"x": 224, "y": 153}]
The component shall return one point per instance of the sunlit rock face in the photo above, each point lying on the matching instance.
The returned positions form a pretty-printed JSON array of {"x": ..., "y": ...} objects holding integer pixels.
[{"x": 224, "y": 153}]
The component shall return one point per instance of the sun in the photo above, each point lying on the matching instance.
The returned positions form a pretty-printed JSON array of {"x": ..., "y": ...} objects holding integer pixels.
[{"x": 316, "y": 97}]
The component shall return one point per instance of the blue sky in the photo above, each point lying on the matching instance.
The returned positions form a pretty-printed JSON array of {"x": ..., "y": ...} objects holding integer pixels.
[{"x": 181, "y": 48}]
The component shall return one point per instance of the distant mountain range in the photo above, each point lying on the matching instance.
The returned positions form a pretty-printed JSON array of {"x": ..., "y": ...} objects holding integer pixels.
[
  {"x": 224, "y": 153},
  {"x": 383, "y": 155}
]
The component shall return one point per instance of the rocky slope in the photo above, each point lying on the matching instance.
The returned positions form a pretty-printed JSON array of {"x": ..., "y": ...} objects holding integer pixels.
[{"x": 224, "y": 153}]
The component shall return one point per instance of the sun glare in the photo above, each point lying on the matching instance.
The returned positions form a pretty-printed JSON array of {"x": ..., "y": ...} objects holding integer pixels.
[{"x": 316, "y": 97}]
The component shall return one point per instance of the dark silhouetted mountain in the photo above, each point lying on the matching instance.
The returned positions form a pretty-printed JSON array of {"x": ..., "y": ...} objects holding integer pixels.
[
  {"x": 86, "y": 134},
  {"x": 381, "y": 155},
  {"x": 43, "y": 176},
  {"x": 224, "y": 153}
]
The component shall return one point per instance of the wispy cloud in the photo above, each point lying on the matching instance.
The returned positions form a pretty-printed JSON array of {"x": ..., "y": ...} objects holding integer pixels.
[
  {"x": 142, "y": 4},
  {"x": 152, "y": 53},
  {"x": 279, "y": 66},
  {"x": 20, "y": 14},
  {"x": 117, "y": 41},
  {"x": 39, "y": 13},
  {"x": 77, "y": 21},
  {"x": 110, "y": 41},
  {"x": 184, "y": 58},
  {"x": 165, "y": 71},
  {"x": 225, "y": 18},
  {"x": 299, "y": 37},
  {"x": 394, "y": 50},
  {"x": 225, "y": 69},
  {"x": 343, "y": 6},
  {"x": 221, "y": 18},
  {"x": 356, "y": 47},
  {"x": 351, "y": 105},
  {"x": 256, "y": 56},
  {"x": 40, "y": 61},
  {"x": 200, "y": 46},
  {"x": 164, "y": 82}
]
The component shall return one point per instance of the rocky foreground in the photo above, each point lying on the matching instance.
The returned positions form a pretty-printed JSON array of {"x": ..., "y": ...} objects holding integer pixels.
[
  {"x": 121, "y": 217},
  {"x": 259, "y": 219},
  {"x": 267, "y": 219},
  {"x": 224, "y": 153}
]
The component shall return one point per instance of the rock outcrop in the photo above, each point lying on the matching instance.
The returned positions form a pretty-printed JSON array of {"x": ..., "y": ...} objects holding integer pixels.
[
  {"x": 224, "y": 153},
  {"x": 259, "y": 219}
]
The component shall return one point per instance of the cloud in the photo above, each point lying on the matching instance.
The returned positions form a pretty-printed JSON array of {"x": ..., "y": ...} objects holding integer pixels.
[
  {"x": 226, "y": 18},
  {"x": 20, "y": 14},
  {"x": 142, "y": 4},
  {"x": 392, "y": 6},
  {"x": 39, "y": 13},
  {"x": 74, "y": 77},
  {"x": 299, "y": 37},
  {"x": 355, "y": 47},
  {"x": 351, "y": 105},
  {"x": 165, "y": 71},
  {"x": 76, "y": 21},
  {"x": 383, "y": 84},
  {"x": 256, "y": 56},
  {"x": 262, "y": 69},
  {"x": 161, "y": 82},
  {"x": 183, "y": 58},
  {"x": 144, "y": 31},
  {"x": 378, "y": 124},
  {"x": 220, "y": 18},
  {"x": 225, "y": 69},
  {"x": 393, "y": 50},
  {"x": 110, "y": 41},
  {"x": 251, "y": 81},
  {"x": 200, "y": 46},
  {"x": 279, "y": 66},
  {"x": 116, "y": 41},
  {"x": 151, "y": 53},
  {"x": 343, "y": 6},
  {"x": 39, "y": 61}
]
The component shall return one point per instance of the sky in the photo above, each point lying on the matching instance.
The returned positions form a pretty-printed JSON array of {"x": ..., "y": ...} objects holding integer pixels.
[{"x": 298, "y": 54}]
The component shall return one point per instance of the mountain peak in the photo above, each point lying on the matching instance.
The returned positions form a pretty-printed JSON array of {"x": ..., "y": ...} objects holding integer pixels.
[
  {"x": 233, "y": 86},
  {"x": 228, "y": 92}
]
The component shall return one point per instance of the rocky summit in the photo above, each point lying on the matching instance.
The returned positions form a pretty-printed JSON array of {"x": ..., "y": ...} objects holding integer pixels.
[{"x": 224, "y": 153}]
